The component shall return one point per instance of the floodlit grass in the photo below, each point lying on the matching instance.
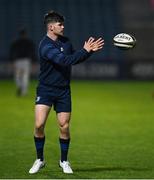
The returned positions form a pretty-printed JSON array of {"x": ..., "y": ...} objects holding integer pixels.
[{"x": 112, "y": 131}]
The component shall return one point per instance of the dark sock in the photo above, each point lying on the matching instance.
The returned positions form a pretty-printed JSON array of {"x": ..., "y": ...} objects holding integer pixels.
[
  {"x": 64, "y": 146},
  {"x": 39, "y": 144}
]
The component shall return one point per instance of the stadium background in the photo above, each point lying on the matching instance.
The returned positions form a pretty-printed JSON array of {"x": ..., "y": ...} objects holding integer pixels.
[
  {"x": 87, "y": 18},
  {"x": 112, "y": 121}
]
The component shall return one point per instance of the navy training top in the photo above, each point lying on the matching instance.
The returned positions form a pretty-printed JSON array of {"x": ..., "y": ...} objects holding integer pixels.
[{"x": 56, "y": 59}]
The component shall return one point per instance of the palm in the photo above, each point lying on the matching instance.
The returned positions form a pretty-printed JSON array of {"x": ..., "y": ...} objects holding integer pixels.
[
  {"x": 98, "y": 44},
  {"x": 94, "y": 45}
]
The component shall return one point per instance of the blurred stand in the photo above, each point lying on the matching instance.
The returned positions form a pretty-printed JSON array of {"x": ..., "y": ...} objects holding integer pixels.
[
  {"x": 152, "y": 11},
  {"x": 95, "y": 18},
  {"x": 152, "y": 4},
  {"x": 22, "y": 55}
]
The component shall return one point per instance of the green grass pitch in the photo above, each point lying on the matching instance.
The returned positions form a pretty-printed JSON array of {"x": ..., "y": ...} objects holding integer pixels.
[{"x": 112, "y": 129}]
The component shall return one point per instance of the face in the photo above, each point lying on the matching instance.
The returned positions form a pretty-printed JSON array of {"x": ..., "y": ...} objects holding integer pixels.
[{"x": 57, "y": 28}]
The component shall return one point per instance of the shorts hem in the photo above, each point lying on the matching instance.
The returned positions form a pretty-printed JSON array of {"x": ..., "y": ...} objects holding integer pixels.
[
  {"x": 47, "y": 104},
  {"x": 59, "y": 111}
]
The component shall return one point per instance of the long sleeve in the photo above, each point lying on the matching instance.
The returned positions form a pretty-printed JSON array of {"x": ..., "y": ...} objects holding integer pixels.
[{"x": 51, "y": 53}]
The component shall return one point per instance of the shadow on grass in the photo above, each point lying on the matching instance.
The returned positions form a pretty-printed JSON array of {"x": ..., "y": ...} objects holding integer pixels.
[
  {"x": 80, "y": 173},
  {"x": 99, "y": 169}
]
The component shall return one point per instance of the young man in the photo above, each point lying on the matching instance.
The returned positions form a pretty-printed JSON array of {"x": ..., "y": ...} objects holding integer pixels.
[{"x": 56, "y": 58}]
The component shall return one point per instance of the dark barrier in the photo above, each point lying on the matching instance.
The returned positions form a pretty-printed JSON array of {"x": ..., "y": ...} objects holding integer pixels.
[
  {"x": 108, "y": 70},
  {"x": 140, "y": 70}
]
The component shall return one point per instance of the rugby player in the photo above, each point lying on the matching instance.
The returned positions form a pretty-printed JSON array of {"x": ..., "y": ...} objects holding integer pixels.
[{"x": 56, "y": 57}]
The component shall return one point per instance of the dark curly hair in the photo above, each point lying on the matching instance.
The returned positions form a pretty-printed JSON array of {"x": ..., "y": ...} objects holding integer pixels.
[{"x": 53, "y": 16}]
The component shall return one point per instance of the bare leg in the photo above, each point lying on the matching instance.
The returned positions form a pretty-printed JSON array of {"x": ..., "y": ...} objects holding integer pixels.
[{"x": 41, "y": 115}]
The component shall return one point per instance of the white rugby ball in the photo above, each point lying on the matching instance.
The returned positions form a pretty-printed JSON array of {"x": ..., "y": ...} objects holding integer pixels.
[{"x": 124, "y": 41}]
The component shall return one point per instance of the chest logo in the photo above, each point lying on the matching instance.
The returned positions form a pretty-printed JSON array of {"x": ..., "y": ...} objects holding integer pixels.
[{"x": 61, "y": 49}]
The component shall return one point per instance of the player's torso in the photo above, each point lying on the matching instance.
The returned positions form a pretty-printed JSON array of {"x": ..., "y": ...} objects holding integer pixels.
[{"x": 54, "y": 74}]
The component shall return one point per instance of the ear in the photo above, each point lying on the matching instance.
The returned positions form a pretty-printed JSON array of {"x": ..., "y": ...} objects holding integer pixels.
[{"x": 50, "y": 27}]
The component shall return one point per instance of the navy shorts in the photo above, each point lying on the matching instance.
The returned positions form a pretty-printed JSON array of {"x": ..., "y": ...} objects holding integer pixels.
[{"x": 58, "y": 97}]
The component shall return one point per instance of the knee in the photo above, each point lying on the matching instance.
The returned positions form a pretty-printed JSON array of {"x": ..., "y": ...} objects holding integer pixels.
[
  {"x": 64, "y": 125},
  {"x": 39, "y": 129},
  {"x": 64, "y": 130}
]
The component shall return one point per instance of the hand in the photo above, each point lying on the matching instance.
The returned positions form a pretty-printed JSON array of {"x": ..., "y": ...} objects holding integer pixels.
[
  {"x": 93, "y": 45},
  {"x": 87, "y": 44},
  {"x": 97, "y": 45}
]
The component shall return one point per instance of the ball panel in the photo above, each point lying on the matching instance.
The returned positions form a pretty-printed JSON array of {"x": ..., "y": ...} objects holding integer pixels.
[
  {"x": 123, "y": 45},
  {"x": 124, "y": 40}
]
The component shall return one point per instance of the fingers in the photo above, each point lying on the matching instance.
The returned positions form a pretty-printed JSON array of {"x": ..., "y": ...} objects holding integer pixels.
[
  {"x": 97, "y": 44},
  {"x": 91, "y": 39},
  {"x": 93, "y": 44},
  {"x": 99, "y": 39},
  {"x": 97, "y": 48}
]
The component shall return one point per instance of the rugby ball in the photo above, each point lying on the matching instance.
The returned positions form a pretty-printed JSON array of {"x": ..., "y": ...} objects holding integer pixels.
[{"x": 124, "y": 41}]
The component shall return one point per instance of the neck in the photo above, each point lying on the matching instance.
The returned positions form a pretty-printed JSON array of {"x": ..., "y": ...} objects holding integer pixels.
[{"x": 52, "y": 36}]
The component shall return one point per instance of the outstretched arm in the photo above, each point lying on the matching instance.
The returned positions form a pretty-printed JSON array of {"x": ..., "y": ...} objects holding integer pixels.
[{"x": 53, "y": 54}]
